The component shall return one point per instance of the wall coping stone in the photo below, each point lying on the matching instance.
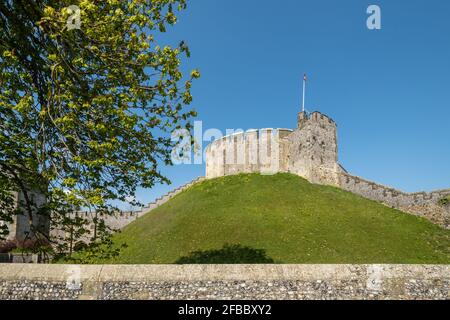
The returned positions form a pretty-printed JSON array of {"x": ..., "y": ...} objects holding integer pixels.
[{"x": 210, "y": 272}]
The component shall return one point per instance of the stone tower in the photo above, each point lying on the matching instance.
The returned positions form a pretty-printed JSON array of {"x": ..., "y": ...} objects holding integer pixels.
[{"x": 312, "y": 149}]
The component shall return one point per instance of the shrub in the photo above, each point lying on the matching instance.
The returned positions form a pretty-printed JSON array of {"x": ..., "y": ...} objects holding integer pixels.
[
  {"x": 80, "y": 245},
  {"x": 444, "y": 201},
  {"x": 29, "y": 245}
]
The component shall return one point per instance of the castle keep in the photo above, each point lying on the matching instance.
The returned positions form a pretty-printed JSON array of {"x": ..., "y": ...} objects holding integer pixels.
[{"x": 311, "y": 151}]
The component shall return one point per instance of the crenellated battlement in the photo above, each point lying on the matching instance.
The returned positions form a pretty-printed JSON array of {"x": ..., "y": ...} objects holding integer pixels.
[
  {"x": 424, "y": 204},
  {"x": 119, "y": 219},
  {"x": 250, "y": 132},
  {"x": 245, "y": 152},
  {"x": 304, "y": 118}
]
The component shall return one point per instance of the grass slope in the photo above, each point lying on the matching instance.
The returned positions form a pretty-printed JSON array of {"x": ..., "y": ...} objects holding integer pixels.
[{"x": 293, "y": 220}]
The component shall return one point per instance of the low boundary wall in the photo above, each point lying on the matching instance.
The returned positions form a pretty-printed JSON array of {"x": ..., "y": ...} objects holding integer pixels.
[{"x": 25, "y": 281}]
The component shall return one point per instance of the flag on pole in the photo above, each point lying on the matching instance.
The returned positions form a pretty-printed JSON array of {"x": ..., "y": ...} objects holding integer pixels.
[{"x": 304, "y": 87}]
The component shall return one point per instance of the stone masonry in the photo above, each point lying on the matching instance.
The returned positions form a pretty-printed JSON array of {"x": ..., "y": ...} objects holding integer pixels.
[
  {"x": 309, "y": 151},
  {"x": 258, "y": 282},
  {"x": 119, "y": 220},
  {"x": 20, "y": 226}
]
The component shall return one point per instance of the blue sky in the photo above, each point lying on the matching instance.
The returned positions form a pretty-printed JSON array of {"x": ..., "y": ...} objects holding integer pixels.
[{"x": 388, "y": 90}]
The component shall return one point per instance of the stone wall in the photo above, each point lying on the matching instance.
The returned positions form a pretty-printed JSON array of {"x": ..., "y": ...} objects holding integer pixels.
[
  {"x": 422, "y": 204},
  {"x": 20, "y": 229},
  {"x": 117, "y": 220},
  {"x": 22, "y": 281},
  {"x": 20, "y": 258},
  {"x": 245, "y": 152},
  {"x": 120, "y": 220}
]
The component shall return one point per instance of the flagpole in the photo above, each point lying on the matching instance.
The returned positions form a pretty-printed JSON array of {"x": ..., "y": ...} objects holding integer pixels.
[{"x": 303, "y": 99}]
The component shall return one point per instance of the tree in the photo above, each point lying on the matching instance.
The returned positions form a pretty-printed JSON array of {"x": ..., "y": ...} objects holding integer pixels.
[{"x": 86, "y": 108}]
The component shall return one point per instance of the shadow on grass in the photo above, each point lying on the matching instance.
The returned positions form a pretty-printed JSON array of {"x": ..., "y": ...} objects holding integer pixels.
[{"x": 229, "y": 254}]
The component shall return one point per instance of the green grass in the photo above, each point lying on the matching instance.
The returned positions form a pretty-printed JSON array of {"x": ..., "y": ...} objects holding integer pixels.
[{"x": 287, "y": 219}]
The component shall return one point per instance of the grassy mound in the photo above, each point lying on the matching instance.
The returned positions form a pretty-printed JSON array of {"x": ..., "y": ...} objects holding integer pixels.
[{"x": 282, "y": 218}]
